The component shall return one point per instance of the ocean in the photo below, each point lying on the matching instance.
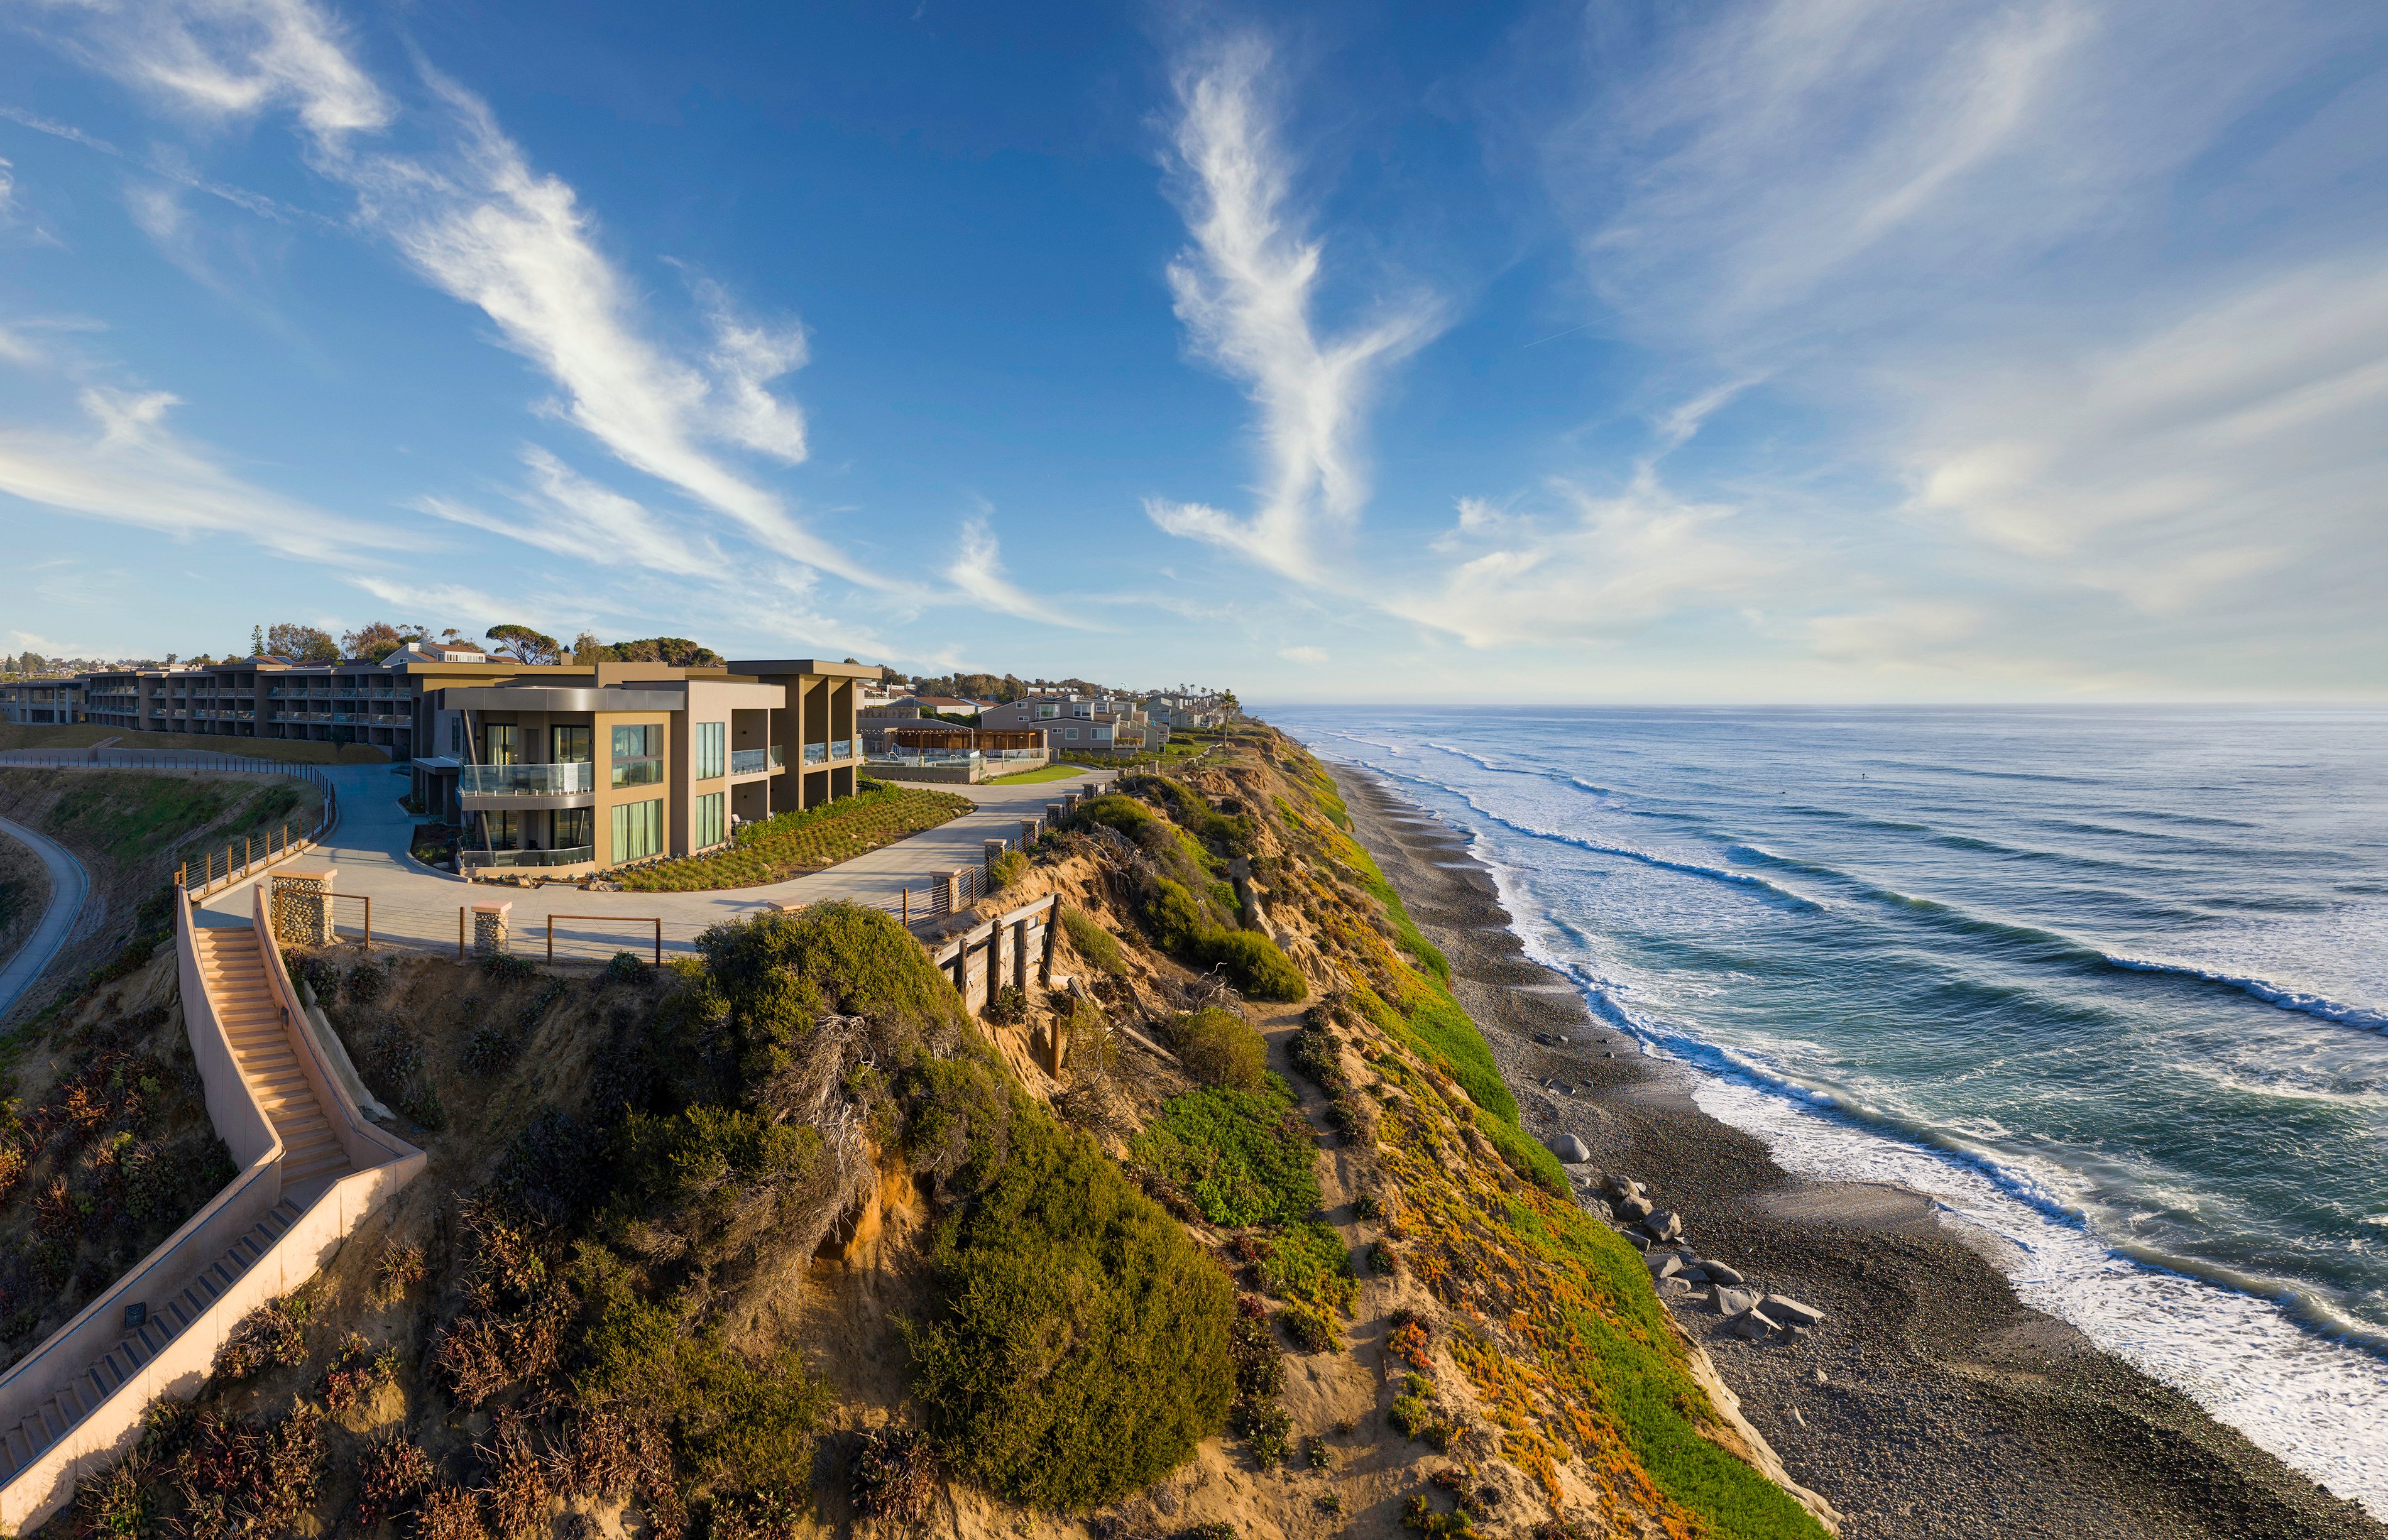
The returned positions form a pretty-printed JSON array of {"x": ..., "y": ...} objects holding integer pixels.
[{"x": 2110, "y": 985}]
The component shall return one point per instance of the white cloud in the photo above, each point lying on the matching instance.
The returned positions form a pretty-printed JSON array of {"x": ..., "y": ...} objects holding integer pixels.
[
  {"x": 135, "y": 470},
  {"x": 1605, "y": 567},
  {"x": 1245, "y": 290},
  {"x": 39, "y": 125},
  {"x": 977, "y": 571},
  {"x": 227, "y": 59},
  {"x": 2239, "y": 437},
  {"x": 1309, "y": 656}
]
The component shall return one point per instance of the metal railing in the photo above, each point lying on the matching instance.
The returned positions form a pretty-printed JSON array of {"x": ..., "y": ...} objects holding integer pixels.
[
  {"x": 929, "y": 757},
  {"x": 571, "y": 855},
  {"x": 615, "y": 919},
  {"x": 526, "y": 780}
]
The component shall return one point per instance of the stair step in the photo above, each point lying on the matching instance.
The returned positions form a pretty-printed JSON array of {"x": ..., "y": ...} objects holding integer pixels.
[{"x": 333, "y": 1164}]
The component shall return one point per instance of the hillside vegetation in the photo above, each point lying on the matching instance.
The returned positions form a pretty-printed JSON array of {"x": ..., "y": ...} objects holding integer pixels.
[{"x": 1230, "y": 1232}]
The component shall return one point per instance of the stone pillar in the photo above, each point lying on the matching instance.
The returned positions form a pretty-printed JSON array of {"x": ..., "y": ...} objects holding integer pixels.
[
  {"x": 1053, "y": 814},
  {"x": 1031, "y": 830},
  {"x": 301, "y": 906},
  {"x": 1089, "y": 791},
  {"x": 952, "y": 882},
  {"x": 1069, "y": 805},
  {"x": 490, "y": 933},
  {"x": 988, "y": 850}
]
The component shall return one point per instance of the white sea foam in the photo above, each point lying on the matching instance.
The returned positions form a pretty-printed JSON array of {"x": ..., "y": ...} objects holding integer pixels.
[
  {"x": 2322, "y": 1405},
  {"x": 2270, "y": 993}
]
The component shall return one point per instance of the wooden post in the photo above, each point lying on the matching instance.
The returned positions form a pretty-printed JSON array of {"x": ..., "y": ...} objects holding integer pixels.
[
  {"x": 460, "y": 933},
  {"x": 1020, "y": 955},
  {"x": 1045, "y": 964},
  {"x": 994, "y": 963}
]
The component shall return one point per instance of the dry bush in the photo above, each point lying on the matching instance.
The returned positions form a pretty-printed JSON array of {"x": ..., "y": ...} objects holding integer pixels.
[
  {"x": 449, "y": 1514},
  {"x": 755, "y": 1516},
  {"x": 240, "y": 1480},
  {"x": 270, "y": 1334},
  {"x": 112, "y": 1504},
  {"x": 517, "y": 1495},
  {"x": 401, "y": 1268},
  {"x": 594, "y": 1457},
  {"x": 391, "y": 1475},
  {"x": 471, "y": 1358},
  {"x": 355, "y": 1375},
  {"x": 892, "y": 1473}
]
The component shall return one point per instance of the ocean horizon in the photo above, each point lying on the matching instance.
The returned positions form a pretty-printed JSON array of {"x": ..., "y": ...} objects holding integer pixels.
[{"x": 2106, "y": 984}]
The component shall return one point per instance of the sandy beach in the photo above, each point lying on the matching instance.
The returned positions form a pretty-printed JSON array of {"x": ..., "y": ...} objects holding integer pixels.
[{"x": 1930, "y": 1404}]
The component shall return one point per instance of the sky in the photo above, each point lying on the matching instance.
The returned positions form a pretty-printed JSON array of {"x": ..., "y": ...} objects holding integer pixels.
[{"x": 1810, "y": 350}]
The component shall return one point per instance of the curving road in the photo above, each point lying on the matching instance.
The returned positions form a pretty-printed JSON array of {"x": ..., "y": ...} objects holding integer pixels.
[
  {"x": 415, "y": 907},
  {"x": 69, "y": 887}
]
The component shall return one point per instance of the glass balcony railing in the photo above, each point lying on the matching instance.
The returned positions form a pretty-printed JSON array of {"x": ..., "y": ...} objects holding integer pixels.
[
  {"x": 571, "y": 856},
  {"x": 841, "y": 748},
  {"x": 816, "y": 753},
  {"x": 526, "y": 780},
  {"x": 931, "y": 758},
  {"x": 755, "y": 762}
]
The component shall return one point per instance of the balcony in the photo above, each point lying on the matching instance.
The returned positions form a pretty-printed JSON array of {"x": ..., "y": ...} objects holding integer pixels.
[
  {"x": 816, "y": 753},
  {"x": 757, "y": 762},
  {"x": 841, "y": 748},
  {"x": 574, "y": 856},
  {"x": 527, "y": 780}
]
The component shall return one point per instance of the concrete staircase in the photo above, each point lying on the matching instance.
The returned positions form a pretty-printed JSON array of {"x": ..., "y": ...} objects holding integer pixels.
[
  {"x": 253, "y": 1020},
  {"x": 20, "y": 1445}
]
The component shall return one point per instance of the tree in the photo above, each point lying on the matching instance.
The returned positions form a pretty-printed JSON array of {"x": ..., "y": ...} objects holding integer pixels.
[
  {"x": 301, "y": 644},
  {"x": 586, "y": 649},
  {"x": 378, "y": 638},
  {"x": 677, "y": 651},
  {"x": 532, "y": 647}
]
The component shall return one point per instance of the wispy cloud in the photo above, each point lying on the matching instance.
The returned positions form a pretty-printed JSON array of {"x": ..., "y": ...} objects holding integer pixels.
[
  {"x": 1246, "y": 290},
  {"x": 479, "y": 222},
  {"x": 133, "y": 469},
  {"x": 977, "y": 571},
  {"x": 55, "y": 129}
]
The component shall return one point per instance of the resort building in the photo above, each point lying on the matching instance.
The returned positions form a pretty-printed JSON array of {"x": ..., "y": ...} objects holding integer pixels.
[
  {"x": 1081, "y": 724},
  {"x": 44, "y": 702},
  {"x": 578, "y": 768}
]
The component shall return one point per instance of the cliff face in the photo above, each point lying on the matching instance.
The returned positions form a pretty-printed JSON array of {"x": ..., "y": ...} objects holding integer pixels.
[{"x": 1232, "y": 1230}]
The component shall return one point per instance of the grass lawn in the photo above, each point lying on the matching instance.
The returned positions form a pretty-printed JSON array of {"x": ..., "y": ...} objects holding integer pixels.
[
  {"x": 1045, "y": 773},
  {"x": 83, "y": 735},
  {"x": 793, "y": 843}
]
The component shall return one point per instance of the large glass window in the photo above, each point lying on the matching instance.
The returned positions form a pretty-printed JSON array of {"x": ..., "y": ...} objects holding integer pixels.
[
  {"x": 639, "y": 755},
  {"x": 637, "y": 829},
  {"x": 571, "y": 745},
  {"x": 712, "y": 819},
  {"x": 505, "y": 829},
  {"x": 576, "y": 828},
  {"x": 710, "y": 750},
  {"x": 505, "y": 743}
]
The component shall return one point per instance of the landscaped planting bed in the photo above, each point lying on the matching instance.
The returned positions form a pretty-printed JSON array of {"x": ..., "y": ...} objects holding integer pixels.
[{"x": 793, "y": 843}]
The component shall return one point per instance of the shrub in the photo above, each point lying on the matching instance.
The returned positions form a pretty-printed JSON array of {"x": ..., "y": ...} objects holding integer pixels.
[
  {"x": 892, "y": 1474},
  {"x": 517, "y": 1493},
  {"x": 1008, "y": 1008},
  {"x": 1081, "y": 1349},
  {"x": 1313, "y": 1329},
  {"x": 1007, "y": 869},
  {"x": 505, "y": 966},
  {"x": 776, "y": 974},
  {"x": 774, "y": 849},
  {"x": 391, "y": 1475},
  {"x": 627, "y": 967},
  {"x": 268, "y": 1335},
  {"x": 1260, "y": 1364},
  {"x": 1255, "y": 964},
  {"x": 1309, "y": 1263},
  {"x": 1174, "y": 918},
  {"x": 1219, "y": 1048},
  {"x": 1266, "y": 1426},
  {"x": 1243, "y": 1159},
  {"x": 113, "y": 1504},
  {"x": 449, "y": 1514},
  {"x": 365, "y": 983},
  {"x": 1094, "y": 943}
]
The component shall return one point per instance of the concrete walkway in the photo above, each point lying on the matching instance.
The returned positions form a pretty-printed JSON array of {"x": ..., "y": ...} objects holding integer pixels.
[
  {"x": 69, "y": 887},
  {"x": 417, "y": 907}
]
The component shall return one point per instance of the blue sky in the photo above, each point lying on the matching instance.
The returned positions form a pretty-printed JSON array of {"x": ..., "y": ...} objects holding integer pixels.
[{"x": 1841, "y": 349}]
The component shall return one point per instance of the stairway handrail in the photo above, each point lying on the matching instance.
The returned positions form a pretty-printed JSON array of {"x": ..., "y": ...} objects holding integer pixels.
[{"x": 255, "y": 1190}]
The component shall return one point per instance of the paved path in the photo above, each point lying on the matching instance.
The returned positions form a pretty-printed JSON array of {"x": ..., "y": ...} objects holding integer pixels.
[
  {"x": 415, "y": 907},
  {"x": 70, "y": 885}
]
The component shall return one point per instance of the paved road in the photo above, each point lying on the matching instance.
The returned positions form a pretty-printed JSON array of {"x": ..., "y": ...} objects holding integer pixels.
[
  {"x": 70, "y": 885},
  {"x": 415, "y": 907}
]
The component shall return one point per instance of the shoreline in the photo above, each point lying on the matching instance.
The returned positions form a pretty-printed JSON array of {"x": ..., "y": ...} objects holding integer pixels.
[{"x": 1930, "y": 1402}]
